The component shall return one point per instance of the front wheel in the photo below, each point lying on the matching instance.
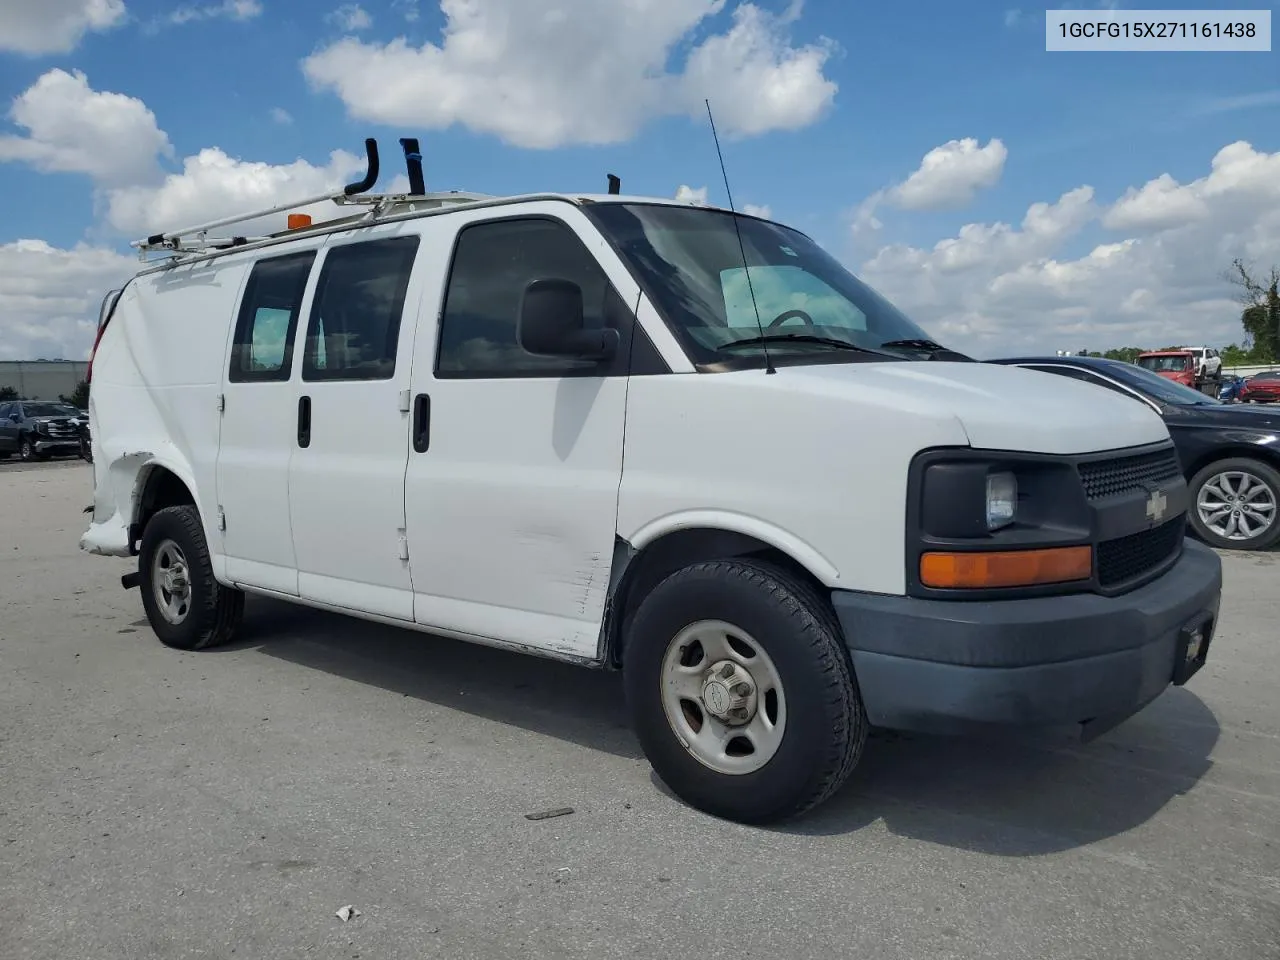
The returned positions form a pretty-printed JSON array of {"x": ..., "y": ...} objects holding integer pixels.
[
  {"x": 1235, "y": 504},
  {"x": 186, "y": 606},
  {"x": 26, "y": 450},
  {"x": 741, "y": 693}
]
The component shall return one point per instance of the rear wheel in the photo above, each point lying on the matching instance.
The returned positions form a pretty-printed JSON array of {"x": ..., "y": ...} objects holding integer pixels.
[
  {"x": 186, "y": 606},
  {"x": 1236, "y": 504},
  {"x": 741, "y": 692}
]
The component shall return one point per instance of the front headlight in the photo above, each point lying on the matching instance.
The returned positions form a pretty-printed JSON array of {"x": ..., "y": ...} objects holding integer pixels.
[{"x": 1002, "y": 499}]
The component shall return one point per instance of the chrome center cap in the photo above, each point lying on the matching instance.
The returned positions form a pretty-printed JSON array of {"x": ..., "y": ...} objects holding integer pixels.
[
  {"x": 717, "y": 697},
  {"x": 729, "y": 693}
]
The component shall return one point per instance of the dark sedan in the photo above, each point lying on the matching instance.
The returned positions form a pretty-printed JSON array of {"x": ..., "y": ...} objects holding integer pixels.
[{"x": 1229, "y": 453}]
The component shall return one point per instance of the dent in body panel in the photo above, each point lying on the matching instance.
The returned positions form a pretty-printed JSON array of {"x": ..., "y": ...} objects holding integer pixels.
[
  {"x": 146, "y": 407},
  {"x": 581, "y": 579},
  {"x": 115, "y": 502}
]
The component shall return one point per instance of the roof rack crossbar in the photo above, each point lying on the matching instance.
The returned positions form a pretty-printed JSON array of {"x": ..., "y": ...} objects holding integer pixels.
[
  {"x": 175, "y": 235},
  {"x": 168, "y": 239}
]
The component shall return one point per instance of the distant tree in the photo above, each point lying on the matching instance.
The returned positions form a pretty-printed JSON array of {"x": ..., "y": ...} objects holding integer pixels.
[
  {"x": 1260, "y": 297},
  {"x": 1241, "y": 355},
  {"x": 8, "y": 393},
  {"x": 79, "y": 397},
  {"x": 1125, "y": 354}
]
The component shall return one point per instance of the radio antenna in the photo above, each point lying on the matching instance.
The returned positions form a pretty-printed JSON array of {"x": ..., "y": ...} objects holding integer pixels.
[{"x": 742, "y": 248}]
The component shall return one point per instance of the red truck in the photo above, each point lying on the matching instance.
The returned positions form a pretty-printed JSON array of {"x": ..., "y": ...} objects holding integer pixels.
[{"x": 1176, "y": 365}]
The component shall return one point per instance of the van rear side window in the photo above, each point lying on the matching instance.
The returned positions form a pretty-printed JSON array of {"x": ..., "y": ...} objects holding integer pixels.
[
  {"x": 268, "y": 320},
  {"x": 355, "y": 318}
]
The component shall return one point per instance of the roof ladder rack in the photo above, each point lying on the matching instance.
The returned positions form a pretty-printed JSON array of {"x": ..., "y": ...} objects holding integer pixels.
[{"x": 195, "y": 240}]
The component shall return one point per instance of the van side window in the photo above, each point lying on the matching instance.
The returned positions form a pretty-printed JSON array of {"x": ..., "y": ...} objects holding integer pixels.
[
  {"x": 355, "y": 317},
  {"x": 493, "y": 263},
  {"x": 262, "y": 349}
]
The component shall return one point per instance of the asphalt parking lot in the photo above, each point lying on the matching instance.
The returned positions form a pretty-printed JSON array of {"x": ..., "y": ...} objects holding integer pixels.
[{"x": 158, "y": 804}]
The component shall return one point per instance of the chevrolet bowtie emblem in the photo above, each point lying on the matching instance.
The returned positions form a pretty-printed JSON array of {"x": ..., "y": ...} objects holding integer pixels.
[{"x": 1156, "y": 504}]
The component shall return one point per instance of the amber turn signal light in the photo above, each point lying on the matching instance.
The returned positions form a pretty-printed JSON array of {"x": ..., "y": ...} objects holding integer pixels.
[{"x": 1007, "y": 568}]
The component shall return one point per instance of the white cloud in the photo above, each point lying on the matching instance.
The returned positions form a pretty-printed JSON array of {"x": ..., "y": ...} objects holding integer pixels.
[
  {"x": 228, "y": 10},
  {"x": 281, "y": 116},
  {"x": 213, "y": 185},
  {"x": 950, "y": 175},
  {"x": 408, "y": 9},
  {"x": 687, "y": 194},
  {"x": 72, "y": 128},
  {"x": 757, "y": 210},
  {"x": 49, "y": 297},
  {"x": 583, "y": 72},
  {"x": 996, "y": 289},
  {"x": 36, "y": 27},
  {"x": 1239, "y": 176},
  {"x": 1012, "y": 17},
  {"x": 350, "y": 18}
]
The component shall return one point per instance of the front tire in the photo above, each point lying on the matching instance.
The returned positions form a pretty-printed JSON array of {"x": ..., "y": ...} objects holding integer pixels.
[
  {"x": 1235, "y": 504},
  {"x": 187, "y": 608},
  {"x": 741, "y": 692},
  {"x": 26, "y": 450}
]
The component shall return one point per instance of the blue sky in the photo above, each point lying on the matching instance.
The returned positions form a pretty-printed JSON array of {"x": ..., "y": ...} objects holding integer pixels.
[{"x": 900, "y": 80}]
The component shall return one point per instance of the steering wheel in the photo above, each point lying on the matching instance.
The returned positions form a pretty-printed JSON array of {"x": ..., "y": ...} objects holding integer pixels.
[{"x": 782, "y": 318}]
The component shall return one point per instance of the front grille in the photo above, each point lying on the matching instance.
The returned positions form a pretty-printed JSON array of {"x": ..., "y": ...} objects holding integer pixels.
[
  {"x": 1111, "y": 478},
  {"x": 59, "y": 431},
  {"x": 1128, "y": 558}
]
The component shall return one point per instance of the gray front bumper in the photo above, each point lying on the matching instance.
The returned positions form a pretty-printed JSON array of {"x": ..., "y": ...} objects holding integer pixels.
[{"x": 947, "y": 667}]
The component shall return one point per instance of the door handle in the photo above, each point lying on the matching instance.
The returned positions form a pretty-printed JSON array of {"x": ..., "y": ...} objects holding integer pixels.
[
  {"x": 304, "y": 421},
  {"x": 421, "y": 423}
]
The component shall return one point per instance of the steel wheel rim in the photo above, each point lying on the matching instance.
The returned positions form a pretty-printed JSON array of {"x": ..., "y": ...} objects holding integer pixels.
[
  {"x": 171, "y": 582},
  {"x": 1236, "y": 505},
  {"x": 723, "y": 697}
]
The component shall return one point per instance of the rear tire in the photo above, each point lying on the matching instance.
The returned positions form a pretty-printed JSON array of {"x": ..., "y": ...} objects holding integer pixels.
[
  {"x": 187, "y": 608},
  {"x": 791, "y": 696},
  {"x": 1248, "y": 488}
]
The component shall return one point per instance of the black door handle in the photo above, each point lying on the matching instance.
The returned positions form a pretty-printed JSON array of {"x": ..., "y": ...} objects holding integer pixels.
[
  {"x": 421, "y": 423},
  {"x": 304, "y": 421}
]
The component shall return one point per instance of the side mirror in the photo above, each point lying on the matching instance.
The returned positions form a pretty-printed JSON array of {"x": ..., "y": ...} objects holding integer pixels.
[
  {"x": 551, "y": 324},
  {"x": 15, "y": 417}
]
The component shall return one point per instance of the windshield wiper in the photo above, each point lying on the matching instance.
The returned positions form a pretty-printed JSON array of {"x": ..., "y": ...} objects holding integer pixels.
[
  {"x": 935, "y": 350},
  {"x": 799, "y": 338}
]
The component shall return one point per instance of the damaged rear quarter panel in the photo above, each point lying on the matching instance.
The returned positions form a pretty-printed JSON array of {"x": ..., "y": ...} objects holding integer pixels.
[{"x": 153, "y": 402}]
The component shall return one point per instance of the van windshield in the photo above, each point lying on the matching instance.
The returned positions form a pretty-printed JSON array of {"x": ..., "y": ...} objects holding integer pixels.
[{"x": 690, "y": 265}]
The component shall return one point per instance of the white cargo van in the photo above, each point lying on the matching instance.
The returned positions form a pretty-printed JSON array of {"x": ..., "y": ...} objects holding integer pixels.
[{"x": 577, "y": 427}]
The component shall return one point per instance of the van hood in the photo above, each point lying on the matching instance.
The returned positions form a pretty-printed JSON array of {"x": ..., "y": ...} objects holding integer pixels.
[{"x": 999, "y": 407}]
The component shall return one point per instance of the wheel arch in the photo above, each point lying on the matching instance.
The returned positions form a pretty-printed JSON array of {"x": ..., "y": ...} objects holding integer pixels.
[
  {"x": 159, "y": 483},
  {"x": 1235, "y": 451},
  {"x": 654, "y": 553}
]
